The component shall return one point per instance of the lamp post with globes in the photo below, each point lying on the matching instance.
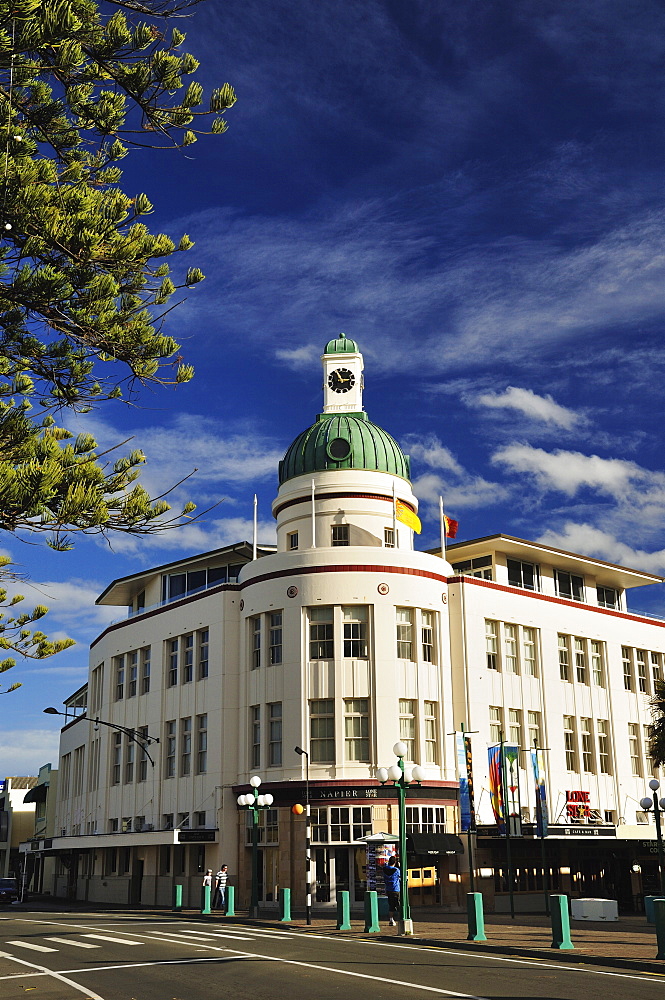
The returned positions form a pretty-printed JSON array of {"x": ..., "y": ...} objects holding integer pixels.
[
  {"x": 254, "y": 803},
  {"x": 658, "y": 807},
  {"x": 402, "y": 777}
]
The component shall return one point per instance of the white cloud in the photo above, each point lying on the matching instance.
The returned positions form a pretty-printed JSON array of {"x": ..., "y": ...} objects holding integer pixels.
[
  {"x": 432, "y": 453},
  {"x": 592, "y": 541},
  {"x": 531, "y": 405},
  {"x": 301, "y": 356},
  {"x": 458, "y": 487},
  {"x": 198, "y": 537},
  {"x": 23, "y": 751},
  {"x": 71, "y": 603},
  {"x": 570, "y": 471}
]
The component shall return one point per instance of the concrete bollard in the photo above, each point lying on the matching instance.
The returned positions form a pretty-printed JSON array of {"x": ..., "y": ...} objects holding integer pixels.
[
  {"x": 285, "y": 905},
  {"x": 648, "y": 907},
  {"x": 475, "y": 916},
  {"x": 659, "y": 920},
  {"x": 372, "y": 925},
  {"x": 560, "y": 924},
  {"x": 177, "y": 898},
  {"x": 343, "y": 910},
  {"x": 230, "y": 908},
  {"x": 205, "y": 899}
]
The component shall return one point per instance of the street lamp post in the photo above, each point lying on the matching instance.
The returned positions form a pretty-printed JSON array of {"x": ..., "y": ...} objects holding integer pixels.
[
  {"x": 402, "y": 777},
  {"x": 308, "y": 840},
  {"x": 135, "y": 735},
  {"x": 254, "y": 803},
  {"x": 658, "y": 807}
]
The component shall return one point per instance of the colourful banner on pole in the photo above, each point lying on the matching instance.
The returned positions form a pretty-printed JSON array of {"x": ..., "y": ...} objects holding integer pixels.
[
  {"x": 542, "y": 811},
  {"x": 496, "y": 786},
  {"x": 511, "y": 785},
  {"x": 465, "y": 778}
]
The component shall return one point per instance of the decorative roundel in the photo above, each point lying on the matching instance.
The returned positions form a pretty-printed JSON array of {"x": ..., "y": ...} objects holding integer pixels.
[
  {"x": 292, "y": 592},
  {"x": 339, "y": 449},
  {"x": 383, "y": 588},
  {"x": 444, "y": 598},
  {"x": 242, "y": 604}
]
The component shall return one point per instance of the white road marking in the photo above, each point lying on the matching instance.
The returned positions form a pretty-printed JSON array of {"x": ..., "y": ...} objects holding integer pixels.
[
  {"x": 115, "y": 940},
  {"x": 72, "y": 941},
  {"x": 49, "y": 972},
  {"x": 30, "y": 945},
  {"x": 170, "y": 936}
]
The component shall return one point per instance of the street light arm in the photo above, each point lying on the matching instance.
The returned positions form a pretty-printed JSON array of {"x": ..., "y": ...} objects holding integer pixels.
[{"x": 143, "y": 740}]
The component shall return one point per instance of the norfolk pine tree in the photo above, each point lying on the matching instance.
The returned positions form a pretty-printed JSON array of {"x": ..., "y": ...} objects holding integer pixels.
[{"x": 84, "y": 284}]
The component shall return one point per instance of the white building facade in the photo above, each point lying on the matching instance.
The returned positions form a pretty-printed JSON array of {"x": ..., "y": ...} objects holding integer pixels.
[{"x": 341, "y": 641}]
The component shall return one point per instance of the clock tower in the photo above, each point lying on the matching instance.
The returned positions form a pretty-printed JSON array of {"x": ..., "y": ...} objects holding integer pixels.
[{"x": 342, "y": 376}]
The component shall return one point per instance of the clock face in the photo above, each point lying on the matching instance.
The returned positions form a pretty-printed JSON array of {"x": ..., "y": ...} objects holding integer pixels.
[{"x": 341, "y": 380}]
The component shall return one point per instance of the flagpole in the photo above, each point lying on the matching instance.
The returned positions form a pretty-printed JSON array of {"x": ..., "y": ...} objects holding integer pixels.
[
  {"x": 442, "y": 521},
  {"x": 313, "y": 519},
  {"x": 394, "y": 517},
  {"x": 255, "y": 527}
]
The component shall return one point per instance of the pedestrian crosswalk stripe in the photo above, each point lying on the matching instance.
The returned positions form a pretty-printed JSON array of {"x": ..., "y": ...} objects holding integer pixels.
[
  {"x": 115, "y": 940},
  {"x": 72, "y": 941},
  {"x": 31, "y": 946}
]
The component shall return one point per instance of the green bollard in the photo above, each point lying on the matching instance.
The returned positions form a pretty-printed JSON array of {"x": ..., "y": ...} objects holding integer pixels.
[
  {"x": 475, "y": 916},
  {"x": 205, "y": 899},
  {"x": 177, "y": 898},
  {"x": 343, "y": 910},
  {"x": 561, "y": 924},
  {"x": 285, "y": 905},
  {"x": 372, "y": 925},
  {"x": 659, "y": 920},
  {"x": 229, "y": 908}
]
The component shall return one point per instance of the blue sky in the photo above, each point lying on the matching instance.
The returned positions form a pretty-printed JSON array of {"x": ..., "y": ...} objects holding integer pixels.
[{"x": 471, "y": 191}]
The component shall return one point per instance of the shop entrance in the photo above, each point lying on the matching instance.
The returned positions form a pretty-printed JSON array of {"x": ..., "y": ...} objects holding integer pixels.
[{"x": 338, "y": 869}]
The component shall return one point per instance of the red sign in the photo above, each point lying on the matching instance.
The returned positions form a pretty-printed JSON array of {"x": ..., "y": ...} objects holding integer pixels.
[{"x": 577, "y": 805}]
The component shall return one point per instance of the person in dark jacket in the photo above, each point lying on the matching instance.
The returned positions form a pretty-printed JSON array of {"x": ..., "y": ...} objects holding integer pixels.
[{"x": 391, "y": 878}]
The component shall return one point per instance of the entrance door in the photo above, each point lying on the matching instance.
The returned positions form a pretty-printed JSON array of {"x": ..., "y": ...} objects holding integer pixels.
[
  {"x": 322, "y": 874},
  {"x": 136, "y": 882}
]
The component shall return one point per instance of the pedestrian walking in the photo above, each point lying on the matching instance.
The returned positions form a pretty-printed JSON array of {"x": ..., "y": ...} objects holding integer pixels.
[
  {"x": 221, "y": 878},
  {"x": 391, "y": 878},
  {"x": 207, "y": 878}
]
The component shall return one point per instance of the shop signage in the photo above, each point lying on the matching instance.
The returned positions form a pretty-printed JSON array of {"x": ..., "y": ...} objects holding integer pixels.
[
  {"x": 197, "y": 836},
  {"x": 578, "y": 805},
  {"x": 346, "y": 793}
]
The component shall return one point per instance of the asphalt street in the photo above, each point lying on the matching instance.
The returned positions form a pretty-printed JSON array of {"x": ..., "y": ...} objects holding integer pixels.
[{"x": 109, "y": 957}]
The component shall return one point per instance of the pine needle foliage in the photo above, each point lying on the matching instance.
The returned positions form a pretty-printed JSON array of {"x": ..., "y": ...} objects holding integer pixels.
[{"x": 657, "y": 728}]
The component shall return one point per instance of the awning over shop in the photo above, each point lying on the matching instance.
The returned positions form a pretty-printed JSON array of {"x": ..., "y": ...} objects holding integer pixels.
[
  {"x": 434, "y": 843},
  {"x": 36, "y": 794}
]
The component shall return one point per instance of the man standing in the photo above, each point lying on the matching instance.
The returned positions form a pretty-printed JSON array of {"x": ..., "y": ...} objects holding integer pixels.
[
  {"x": 221, "y": 879},
  {"x": 391, "y": 878}
]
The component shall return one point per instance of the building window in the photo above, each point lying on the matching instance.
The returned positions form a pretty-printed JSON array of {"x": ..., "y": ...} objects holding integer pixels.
[
  {"x": 133, "y": 674},
  {"x": 145, "y": 670},
  {"x": 188, "y": 660},
  {"x": 523, "y": 574},
  {"x": 143, "y": 756},
  {"x": 119, "y": 678},
  {"x": 627, "y": 668},
  {"x": 427, "y": 635},
  {"x": 183, "y": 820},
  {"x": 169, "y": 749},
  {"x": 608, "y": 597},
  {"x": 186, "y": 746},
  {"x": 496, "y": 724},
  {"x": 604, "y": 752},
  {"x": 65, "y": 775},
  {"x": 201, "y": 744},
  {"x": 580, "y": 662},
  {"x": 529, "y": 660},
  {"x": 130, "y": 747},
  {"x": 97, "y": 688},
  {"x": 568, "y": 585},
  {"x": 292, "y": 541},
  {"x": 404, "y": 633},
  {"x": 389, "y": 538},
  {"x": 646, "y": 741},
  {"x": 116, "y": 759},
  {"x": 255, "y": 625},
  {"x": 173, "y": 663},
  {"x": 586, "y": 736},
  {"x": 275, "y": 649},
  {"x": 426, "y": 819},
  {"x": 356, "y": 729},
  {"x": 511, "y": 664},
  {"x": 480, "y": 567},
  {"x": 407, "y": 727},
  {"x": 167, "y": 821},
  {"x": 492, "y": 644},
  {"x": 431, "y": 732},
  {"x": 533, "y": 721},
  {"x": 642, "y": 673},
  {"x": 355, "y": 632},
  {"x": 570, "y": 743},
  {"x": 255, "y": 736},
  {"x": 634, "y": 749},
  {"x": 515, "y": 726},
  {"x": 203, "y": 641},
  {"x": 597, "y": 668},
  {"x": 322, "y": 730},
  {"x": 564, "y": 658},
  {"x": 340, "y": 534},
  {"x": 275, "y": 734},
  {"x": 656, "y": 668},
  {"x": 321, "y": 645},
  {"x": 93, "y": 770}
]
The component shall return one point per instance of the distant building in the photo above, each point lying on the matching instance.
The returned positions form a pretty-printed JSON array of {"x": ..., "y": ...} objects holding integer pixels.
[
  {"x": 342, "y": 641},
  {"x": 16, "y": 821}
]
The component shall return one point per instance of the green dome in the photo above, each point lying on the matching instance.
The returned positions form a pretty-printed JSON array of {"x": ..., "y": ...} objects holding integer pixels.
[
  {"x": 341, "y": 345},
  {"x": 343, "y": 441}
]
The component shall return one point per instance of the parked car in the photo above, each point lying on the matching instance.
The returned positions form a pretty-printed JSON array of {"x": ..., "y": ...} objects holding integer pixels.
[{"x": 8, "y": 890}]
